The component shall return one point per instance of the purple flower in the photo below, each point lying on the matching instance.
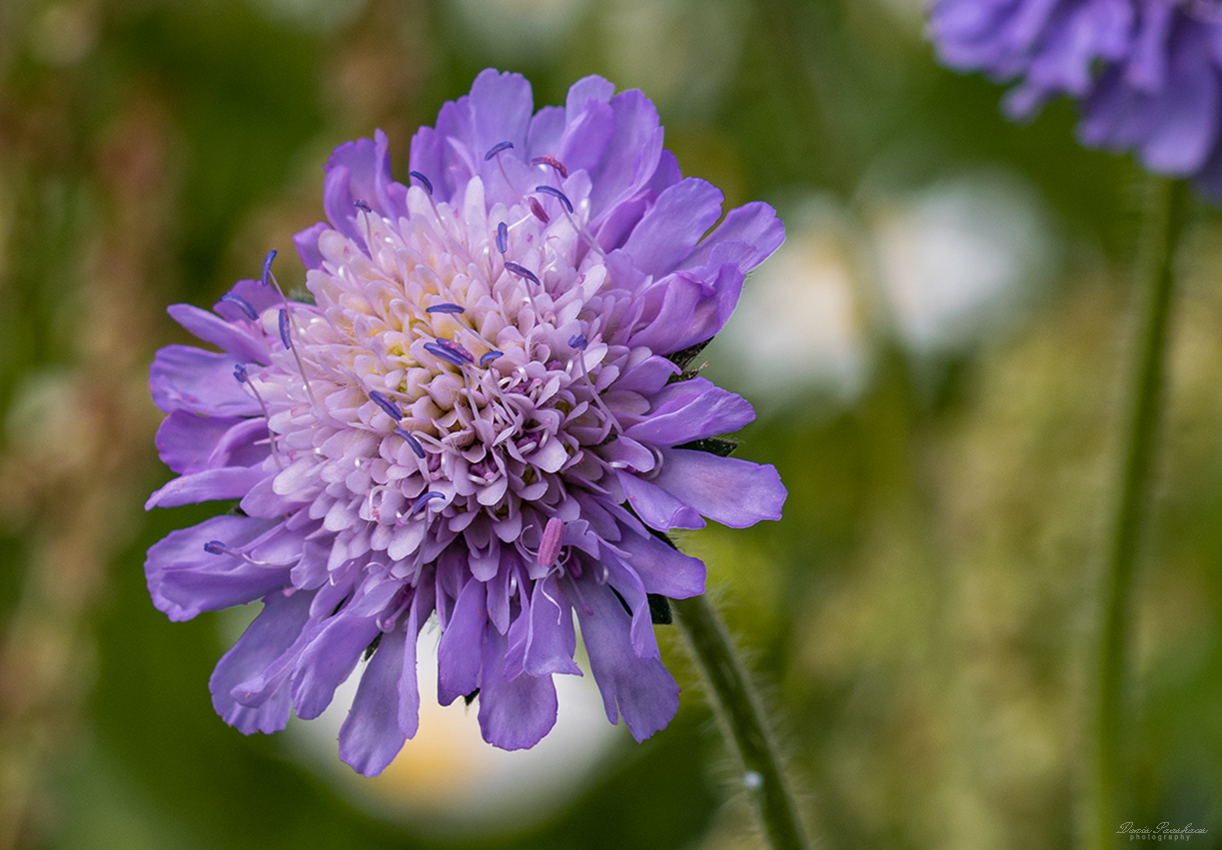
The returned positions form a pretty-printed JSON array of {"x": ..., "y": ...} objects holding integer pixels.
[
  {"x": 482, "y": 416},
  {"x": 1148, "y": 73}
]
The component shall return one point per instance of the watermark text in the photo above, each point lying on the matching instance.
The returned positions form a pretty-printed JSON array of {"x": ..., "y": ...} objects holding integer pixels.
[{"x": 1163, "y": 832}]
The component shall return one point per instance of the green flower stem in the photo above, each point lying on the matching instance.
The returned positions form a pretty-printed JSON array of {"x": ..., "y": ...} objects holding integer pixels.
[
  {"x": 742, "y": 720},
  {"x": 1166, "y": 214}
]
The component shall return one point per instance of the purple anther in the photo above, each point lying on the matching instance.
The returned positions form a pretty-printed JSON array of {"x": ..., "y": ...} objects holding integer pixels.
[
  {"x": 239, "y": 372},
  {"x": 490, "y": 356},
  {"x": 267, "y": 266},
  {"x": 241, "y": 303},
  {"x": 556, "y": 193},
  {"x": 537, "y": 209},
  {"x": 215, "y": 547},
  {"x": 424, "y": 181},
  {"x": 553, "y": 538},
  {"x": 284, "y": 328},
  {"x": 579, "y": 341},
  {"x": 412, "y": 442},
  {"x": 522, "y": 271},
  {"x": 425, "y": 499},
  {"x": 553, "y": 162},
  {"x": 497, "y": 148},
  {"x": 455, "y": 348},
  {"x": 392, "y": 409},
  {"x": 362, "y": 206},
  {"x": 502, "y": 237},
  {"x": 444, "y": 308},
  {"x": 444, "y": 353}
]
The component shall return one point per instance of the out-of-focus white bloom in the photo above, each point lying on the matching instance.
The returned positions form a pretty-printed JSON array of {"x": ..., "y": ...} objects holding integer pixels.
[
  {"x": 802, "y": 330},
  {"x": 520, "y": 30},
  {"x": 957, "y": 257},
  {"x": 450, "y": 778},
  {"x": 939, "y": 268}
]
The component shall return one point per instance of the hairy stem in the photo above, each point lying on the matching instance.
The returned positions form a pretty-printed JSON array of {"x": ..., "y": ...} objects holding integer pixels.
[
  {"x": 1165, "y": 216},
  {"x": 742, "y": 720}
]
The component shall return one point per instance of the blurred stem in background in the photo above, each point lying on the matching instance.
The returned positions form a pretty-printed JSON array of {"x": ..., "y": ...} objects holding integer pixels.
[
  {"x": 1167, "y": 207},
  {"x": 743, "y": 723},
  {"x": 805, "y": 41}
]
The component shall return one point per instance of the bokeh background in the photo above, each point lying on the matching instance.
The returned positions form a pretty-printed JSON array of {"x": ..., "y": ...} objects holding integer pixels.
[{"x": 937, "y": 355}]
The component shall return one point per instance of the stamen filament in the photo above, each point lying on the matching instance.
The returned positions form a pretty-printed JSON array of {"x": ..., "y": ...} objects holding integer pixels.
[
  {"x": 438, "y": 351},
  {"x": 495, "y": 151},
  {"x": 577, "y": 592},
  {"x": 424, "y": 181},
  {"x": 242, "y": 304},
  {"x": 284, "y": 328},
  {"x": 239, "y": 373},
  {"x": 537, "y": 209},
  {"x": 392, "y": 410},
  {"x": 580, "y": 343},
  {"x": 218, "y": 547},
  {"x": 553, "y": 538},
  {"x": 556, "y": 193},
  {"x": 522, "y": 271},
  {"x": 425, "y": 499},
  {"x": 553, "y": 162},
  {"x": 269, "y": 276},
  {"x": 412, "y": 442}
]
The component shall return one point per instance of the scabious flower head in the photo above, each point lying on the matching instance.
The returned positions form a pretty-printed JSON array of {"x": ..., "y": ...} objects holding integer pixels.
[
  {"x": 482, "y": 415},
  {"x": 1147, "y": 73}
]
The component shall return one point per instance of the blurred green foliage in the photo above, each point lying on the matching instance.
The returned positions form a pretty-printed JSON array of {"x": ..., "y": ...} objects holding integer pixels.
[{"x": 917, "y": 620}]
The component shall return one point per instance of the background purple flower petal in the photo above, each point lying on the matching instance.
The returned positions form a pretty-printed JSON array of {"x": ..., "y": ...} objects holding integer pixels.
[{"x": 1146, "y": 74}]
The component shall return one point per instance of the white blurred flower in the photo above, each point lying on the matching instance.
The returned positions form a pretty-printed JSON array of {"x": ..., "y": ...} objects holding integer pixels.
[
  {"x": 512, "y": 31},
  {"x": 957, "y": 257},
  {"x": 311, "y": 15},
  {"x": 449, "y": 777},
  {"x": 800, "y": 328},
  {"x": 682, "y": 52},
  {"x": 940, "y": 267}
]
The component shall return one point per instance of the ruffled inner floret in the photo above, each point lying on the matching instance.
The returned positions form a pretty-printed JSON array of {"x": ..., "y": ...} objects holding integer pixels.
[{"x": 457, "y": 385}]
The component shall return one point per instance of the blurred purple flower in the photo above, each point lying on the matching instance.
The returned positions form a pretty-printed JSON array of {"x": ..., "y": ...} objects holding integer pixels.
[
  {"x": 1146, "y": 72},
  {"x": 483, "y": 415}
]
